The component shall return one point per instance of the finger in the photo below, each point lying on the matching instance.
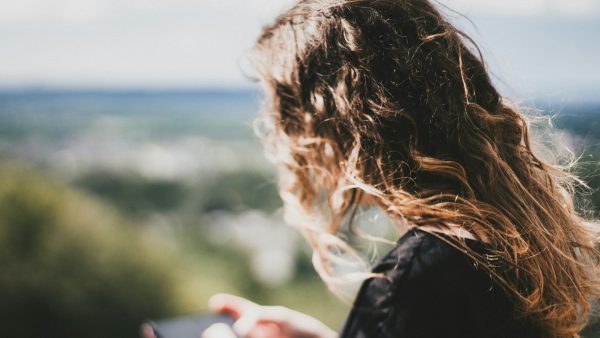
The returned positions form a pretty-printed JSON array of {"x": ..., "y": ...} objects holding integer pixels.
[
  {"x": 271, "y": 330},
  {"x": 274, "y": 314},
  {"x": 260, "y": 319},
  {"x": 261, "y": 316},
  {"x": 246, "y": 323},
  {"x": 231, "y": 304},
  {"x": 218, "y": 330},
  {"x": 264, "y": 331},
  {"x": 146, "y": 331}
]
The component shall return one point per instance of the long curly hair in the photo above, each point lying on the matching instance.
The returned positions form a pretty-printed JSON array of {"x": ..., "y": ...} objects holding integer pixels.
[{"x": 385, "y": 102}]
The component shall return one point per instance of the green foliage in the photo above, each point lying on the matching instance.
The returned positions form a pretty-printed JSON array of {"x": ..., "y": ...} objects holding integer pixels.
[
  {"x": 582, "y": 121},
  {"x": 240, "y": 190},
  {"x": 134, "y": 194},
  {"x": 70, "y": 267},
  {"x": 589, "y": 171}
]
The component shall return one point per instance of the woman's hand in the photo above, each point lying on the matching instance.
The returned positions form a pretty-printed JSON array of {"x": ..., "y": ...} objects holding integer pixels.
[{"x": 256, "y": 321}]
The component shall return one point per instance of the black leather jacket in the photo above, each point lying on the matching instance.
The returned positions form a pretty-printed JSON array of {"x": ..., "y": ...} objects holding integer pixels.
[{"x": 433, "y": 290}]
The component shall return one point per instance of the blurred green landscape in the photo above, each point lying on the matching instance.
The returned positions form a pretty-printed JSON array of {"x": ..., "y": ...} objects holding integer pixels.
[{"x": 122, "y": 206}]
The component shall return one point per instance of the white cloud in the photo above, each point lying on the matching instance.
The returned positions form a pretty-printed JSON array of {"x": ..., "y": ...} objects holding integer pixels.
[
  {"x": 39, "y": 11},
  {"x": 129, "y": 42},
  {"x": 78, "y": 11},
  {"x": 36, "y": 11},
  {"x": 576, "y": 7},
  {"x": 504, "y": 7},
  {"x": 45, "y": 11},
  {"x": 201, "y": 42},
  {"x": 520, "y": 8}
]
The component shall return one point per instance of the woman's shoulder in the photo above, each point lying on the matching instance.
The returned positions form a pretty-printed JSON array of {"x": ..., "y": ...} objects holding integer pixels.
[
  {"x": 426, "y": 276},
  {"x": 423, "y": 262},
  {"x": 420, "y": 252}
]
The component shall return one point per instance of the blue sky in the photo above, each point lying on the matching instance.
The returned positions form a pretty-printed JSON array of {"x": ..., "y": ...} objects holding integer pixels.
[{"x": 535, "y": 48}]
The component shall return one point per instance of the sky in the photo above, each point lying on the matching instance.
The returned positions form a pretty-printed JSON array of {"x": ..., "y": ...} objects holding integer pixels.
[{"x": 535, "y": 48}]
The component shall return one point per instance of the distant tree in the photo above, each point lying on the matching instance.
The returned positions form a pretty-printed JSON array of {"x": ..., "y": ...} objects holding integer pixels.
[{"x": 69, "y": 267}]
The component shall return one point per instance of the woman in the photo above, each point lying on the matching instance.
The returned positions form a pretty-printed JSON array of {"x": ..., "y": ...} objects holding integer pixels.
[{"x": 384, "y": 103}]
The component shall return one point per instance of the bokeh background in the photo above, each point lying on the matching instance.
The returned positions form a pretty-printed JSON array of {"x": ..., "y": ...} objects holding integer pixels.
[{"x": 132, "y": 187}]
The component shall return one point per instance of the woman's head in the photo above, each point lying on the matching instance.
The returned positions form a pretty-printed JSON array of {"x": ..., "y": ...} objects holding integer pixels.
[{"x": 385, "y": 101}]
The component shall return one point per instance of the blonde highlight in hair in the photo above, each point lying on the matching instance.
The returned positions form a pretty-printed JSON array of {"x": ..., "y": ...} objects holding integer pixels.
[{"x": 385, "y": 101}]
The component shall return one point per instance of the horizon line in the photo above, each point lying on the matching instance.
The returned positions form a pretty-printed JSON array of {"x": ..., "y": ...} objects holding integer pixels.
[{"x": 544, "y": 100}]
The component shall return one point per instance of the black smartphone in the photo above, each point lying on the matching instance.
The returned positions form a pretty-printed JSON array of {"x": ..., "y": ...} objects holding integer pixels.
[{"x": 184, "y": 327}]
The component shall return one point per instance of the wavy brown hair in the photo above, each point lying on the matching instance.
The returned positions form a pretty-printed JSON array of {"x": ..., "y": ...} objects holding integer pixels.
[{"x": 385, "y": 102}]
